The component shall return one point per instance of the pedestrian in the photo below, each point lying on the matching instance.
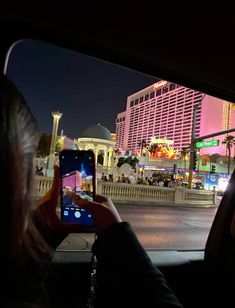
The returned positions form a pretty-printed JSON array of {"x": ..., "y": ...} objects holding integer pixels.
[
  {"x": 161, "y": 183},
  {"x": 146, "y": 181},
  {"x": 123, "y": 179},
  {"x": 110, "y": 179},
  {"x": 30, "y": 233},
  {"x": 102, "y": 177}
]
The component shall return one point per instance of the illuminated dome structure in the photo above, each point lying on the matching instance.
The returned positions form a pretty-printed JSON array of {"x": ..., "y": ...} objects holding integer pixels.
[
  {"x": 98, "y": 139},
  {"x": 97, "y": 131}
]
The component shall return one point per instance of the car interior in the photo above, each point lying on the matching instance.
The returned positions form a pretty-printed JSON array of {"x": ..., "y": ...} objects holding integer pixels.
[{"x": 192, "y": 47}]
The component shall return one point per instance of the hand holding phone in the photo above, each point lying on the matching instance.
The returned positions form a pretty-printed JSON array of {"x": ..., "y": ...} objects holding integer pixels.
[
  {"x": 77, "y": 171},
  {"x": 103, "y": 210}
]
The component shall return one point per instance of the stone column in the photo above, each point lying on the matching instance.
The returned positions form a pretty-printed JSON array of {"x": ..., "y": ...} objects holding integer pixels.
[
  {"x": 110, "y": 156},
  {"x": 96, "y": 151},
  {"x": 105, "y": 157}
]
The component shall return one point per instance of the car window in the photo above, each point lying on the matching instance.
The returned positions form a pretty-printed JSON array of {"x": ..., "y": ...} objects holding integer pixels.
[{"x": 140, "y": 128}]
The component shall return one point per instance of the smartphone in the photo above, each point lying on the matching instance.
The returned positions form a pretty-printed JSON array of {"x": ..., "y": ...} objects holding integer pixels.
[{"x": 77, "y": 171}]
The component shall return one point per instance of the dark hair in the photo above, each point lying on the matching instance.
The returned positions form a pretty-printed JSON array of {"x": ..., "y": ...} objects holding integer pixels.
[{"x": 18, "y": 144}]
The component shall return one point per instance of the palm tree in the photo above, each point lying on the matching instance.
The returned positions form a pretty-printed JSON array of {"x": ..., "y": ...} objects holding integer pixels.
[
  {"x": 183, "y": 153},
  {"x": 152, "y": 149},
  {"x": 142, "y": 144},
  {"x": 229, "y": 142}
]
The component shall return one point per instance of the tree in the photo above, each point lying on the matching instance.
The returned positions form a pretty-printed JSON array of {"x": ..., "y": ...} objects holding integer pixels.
[
  {"x": 115, "y": 156},
  {"x": 128, "y": 160},
  {"x": 229, "y": 142},
  {"x": 116, "y": 150},
  {"x": 120, "y": 161},
  {"x": 215, "y": 157},
  {"x": 183, "y": 154},
  {"x": 152, "y": 149},
  {"x": 44, "y": 144},
  {"x": 134, "y": 161},
  {"x": 142, "y": 144},
  {"x": 59, "y": 144}
]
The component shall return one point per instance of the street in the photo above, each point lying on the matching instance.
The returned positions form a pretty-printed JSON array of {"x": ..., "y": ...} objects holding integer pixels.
[
  {"x": 158, "y": 227},
  {"x": 170, "y": 227}
]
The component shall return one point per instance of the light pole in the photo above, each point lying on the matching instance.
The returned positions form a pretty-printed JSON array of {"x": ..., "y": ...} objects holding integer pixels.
[
  {"x": 56, "y": 118},
  {"x": 192, "y": 148},
  {"x": 193, "y": 143},
  {"x": 51, "y": 159}
]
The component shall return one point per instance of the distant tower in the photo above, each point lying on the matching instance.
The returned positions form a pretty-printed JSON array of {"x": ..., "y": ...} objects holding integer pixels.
[
  {"x": 51, "y": 158},
  {"x": 56, "y": 118}
]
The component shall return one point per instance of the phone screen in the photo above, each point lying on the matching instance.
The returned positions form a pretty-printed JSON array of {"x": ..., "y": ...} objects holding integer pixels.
[{"x": 77, "y": 169}]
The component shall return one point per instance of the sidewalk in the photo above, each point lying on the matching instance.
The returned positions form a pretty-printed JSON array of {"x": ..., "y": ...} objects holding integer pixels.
[{"x": 162, "y": 204}]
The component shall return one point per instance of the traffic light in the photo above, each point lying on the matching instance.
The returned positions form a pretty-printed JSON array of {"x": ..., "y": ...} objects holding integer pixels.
[
  {"x": 212, "y": 168},
  {"x": 194, "y": 160}
]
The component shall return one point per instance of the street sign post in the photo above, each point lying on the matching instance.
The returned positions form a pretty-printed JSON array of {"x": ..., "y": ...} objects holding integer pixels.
[
  {"x": 195, "y": 140},
  {"x": 204, "y": 144}
]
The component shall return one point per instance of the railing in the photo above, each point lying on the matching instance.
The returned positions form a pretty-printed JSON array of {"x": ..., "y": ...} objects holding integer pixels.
[
  {"x": 42, "y": 184},
  {"x": 129, "y": 192},
  {"x": 143, "y": 194},
  {"x": 196, "y": 197}
]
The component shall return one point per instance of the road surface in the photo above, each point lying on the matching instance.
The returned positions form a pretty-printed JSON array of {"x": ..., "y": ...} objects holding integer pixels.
[{"x": 158, "y": 227}]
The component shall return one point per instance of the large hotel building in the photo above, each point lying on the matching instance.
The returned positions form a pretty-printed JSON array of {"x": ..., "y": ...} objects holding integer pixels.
[{"x": 165, "y": 109}]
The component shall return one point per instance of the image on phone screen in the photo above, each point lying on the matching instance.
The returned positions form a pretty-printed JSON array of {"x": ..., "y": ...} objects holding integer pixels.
[{"x": 77, "y": 175}]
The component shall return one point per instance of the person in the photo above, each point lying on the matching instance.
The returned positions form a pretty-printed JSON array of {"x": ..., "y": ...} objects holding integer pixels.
[
  {"x": 39, "y": 171},
  {"x": 30, "y": 233},
  {"x": 103, "y": 176},
  {"x": 160, "y": 182},
  {"x": 123, "y": 179},
  {"x": 146, "y": 181},
  {"x": 110, "y": 179},
  {"x": 171, "y": 183}
]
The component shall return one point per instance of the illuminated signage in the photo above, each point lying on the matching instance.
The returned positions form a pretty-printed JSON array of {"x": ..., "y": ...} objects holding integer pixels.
[
  {"x": 160, "y": 84},
  {"x": 204, "y": 144},
  {"x": 155, "y": 140}
]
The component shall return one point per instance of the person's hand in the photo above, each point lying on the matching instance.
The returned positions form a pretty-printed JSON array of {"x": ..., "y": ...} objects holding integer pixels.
[
  {"x": 46, "y": 210},
  {"x": 102, "y": 209}
]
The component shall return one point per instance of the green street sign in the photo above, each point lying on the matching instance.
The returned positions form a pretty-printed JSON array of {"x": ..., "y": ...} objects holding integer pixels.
[{"x": 204, "y": 144}]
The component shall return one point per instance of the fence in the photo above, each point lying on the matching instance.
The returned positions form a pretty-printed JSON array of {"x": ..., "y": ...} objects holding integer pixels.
[{"x": 122, "y": 192}]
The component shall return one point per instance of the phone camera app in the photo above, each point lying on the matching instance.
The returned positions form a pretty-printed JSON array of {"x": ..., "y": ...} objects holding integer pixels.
[{"x": 77, "y": 177}]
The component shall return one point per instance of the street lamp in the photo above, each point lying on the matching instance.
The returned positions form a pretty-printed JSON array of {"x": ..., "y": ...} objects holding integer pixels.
[
  {"x": 192, "y": 148},
  {"x": 51, "y": 159},
  {"x": 56, "y": 118}
]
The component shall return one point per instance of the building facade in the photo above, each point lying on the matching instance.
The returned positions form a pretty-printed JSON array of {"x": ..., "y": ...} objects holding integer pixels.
[
  {"x": 120, "y": 130},
  {"x": 165, "y": 110}
]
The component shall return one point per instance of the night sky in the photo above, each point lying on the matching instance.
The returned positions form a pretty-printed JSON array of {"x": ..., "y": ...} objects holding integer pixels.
[{"x": 86, "y": 90}]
